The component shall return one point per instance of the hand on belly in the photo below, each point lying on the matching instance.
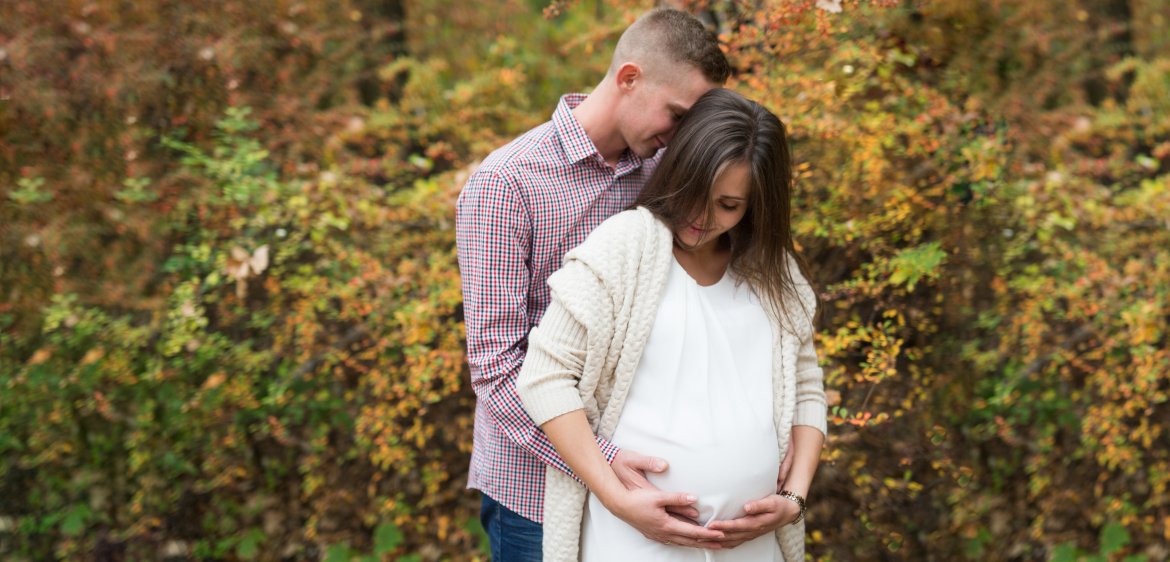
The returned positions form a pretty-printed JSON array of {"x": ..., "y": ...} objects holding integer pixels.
[{"x": 723, "y": 476}]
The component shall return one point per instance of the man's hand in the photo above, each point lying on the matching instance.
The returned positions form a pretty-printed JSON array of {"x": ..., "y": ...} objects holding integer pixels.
[
  {"x": 763, "y": 516},
  {"x": 645, "y": 509},
  {"x": 631, "y": 469}
]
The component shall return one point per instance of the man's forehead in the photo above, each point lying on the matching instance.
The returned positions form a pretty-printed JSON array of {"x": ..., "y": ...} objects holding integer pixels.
[{"x": 683, "y": 91}]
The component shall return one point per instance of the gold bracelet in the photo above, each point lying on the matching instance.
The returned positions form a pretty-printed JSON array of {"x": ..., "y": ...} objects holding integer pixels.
[{"x": 799, "y": 501}]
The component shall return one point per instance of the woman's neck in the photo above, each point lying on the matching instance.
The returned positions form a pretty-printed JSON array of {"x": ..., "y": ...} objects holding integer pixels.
[{"x": 706, "y": 264}]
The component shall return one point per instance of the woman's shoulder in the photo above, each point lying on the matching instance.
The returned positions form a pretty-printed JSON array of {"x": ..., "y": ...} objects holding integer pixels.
[
  {"x": 617, "y": 250},
  {"x": 801, "y": 299},
  {"x": 627, "y": 229},
  {"x": 631, "y": 222}
]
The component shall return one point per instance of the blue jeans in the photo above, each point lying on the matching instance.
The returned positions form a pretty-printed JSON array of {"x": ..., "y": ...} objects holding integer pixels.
[{"x": 513, "y": 538}]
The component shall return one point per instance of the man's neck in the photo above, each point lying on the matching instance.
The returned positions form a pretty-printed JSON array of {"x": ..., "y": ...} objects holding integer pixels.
[{"x": 595, "y": 115}]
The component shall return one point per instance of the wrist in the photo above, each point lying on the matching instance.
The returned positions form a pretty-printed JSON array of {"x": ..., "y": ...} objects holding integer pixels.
[
  {"x": 608, "y": 450},
  {"x": 798, "y": 500},
  {"x": 795, "y": 485},
  {"x": 609, "y": 495}
]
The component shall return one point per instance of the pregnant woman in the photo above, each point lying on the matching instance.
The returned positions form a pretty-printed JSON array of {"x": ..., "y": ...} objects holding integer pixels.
[{"x": 682, "y": 329}]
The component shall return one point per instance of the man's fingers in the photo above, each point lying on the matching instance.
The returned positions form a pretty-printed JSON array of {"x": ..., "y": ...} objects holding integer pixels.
[
  {"x": 631, "y": 468},
  {"x": 634, "y": 479},
  {"x": 646, "y": 463}
]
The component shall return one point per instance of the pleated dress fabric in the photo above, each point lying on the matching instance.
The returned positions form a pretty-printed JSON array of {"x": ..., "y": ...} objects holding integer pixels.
[{"x": 701, "y": 398}]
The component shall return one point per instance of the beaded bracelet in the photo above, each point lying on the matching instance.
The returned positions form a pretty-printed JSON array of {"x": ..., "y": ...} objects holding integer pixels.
[{"x": 799, "y": 501}]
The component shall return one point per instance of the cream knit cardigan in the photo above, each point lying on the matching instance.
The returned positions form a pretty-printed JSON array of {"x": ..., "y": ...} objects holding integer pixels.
[{"x": 585, "y": 351}]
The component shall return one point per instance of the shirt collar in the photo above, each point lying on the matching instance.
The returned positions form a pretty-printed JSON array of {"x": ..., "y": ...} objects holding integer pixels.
[{"x": 577, "y": 144}]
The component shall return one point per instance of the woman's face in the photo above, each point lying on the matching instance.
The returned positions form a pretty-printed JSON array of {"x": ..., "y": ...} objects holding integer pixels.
[{"x": 729, "y": 202}]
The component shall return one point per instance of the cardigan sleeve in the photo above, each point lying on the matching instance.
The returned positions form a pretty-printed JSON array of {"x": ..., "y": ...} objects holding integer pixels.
[
  {"x": 811, "y": 405},
  {"x": 810, "y": 389},
  {"x": 556, "y": 359},
  {"x": 558, "y": 347}
]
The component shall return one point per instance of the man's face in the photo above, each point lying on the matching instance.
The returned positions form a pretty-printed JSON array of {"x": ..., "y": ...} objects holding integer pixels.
[{"x": 651, "y": 113}]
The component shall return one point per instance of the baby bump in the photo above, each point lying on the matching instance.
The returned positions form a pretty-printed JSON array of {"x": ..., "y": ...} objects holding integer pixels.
[{"x": 723, "y": 475}]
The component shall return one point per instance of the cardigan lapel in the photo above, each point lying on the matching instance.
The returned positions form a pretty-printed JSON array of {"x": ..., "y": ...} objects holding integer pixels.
[{"x": 644, "y": 296}]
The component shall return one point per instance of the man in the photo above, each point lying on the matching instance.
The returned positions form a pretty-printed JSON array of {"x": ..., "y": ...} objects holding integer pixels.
[{"x": 529, "y": 203}]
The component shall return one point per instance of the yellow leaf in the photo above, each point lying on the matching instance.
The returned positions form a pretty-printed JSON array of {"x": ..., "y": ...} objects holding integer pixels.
[
  {"x": 40, "y": 356},
  {"x": 214, "y": 380},
  {"x": 93, "y": 355}
]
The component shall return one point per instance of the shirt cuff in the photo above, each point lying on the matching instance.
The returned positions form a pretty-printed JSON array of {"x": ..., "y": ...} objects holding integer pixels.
[{"x": 609, "y": 450}]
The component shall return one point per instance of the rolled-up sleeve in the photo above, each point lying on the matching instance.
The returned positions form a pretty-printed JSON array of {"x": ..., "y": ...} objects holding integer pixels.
[
  {"x": 810, "y": 388},
  {"x": 555, "y": 362}
]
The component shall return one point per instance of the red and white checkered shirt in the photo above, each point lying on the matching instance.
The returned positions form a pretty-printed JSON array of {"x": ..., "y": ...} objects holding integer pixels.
[{"x": 527, "y": 204}]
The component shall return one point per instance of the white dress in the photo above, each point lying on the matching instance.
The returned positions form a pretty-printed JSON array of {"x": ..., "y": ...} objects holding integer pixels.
[{"x": 701, "y": 398}]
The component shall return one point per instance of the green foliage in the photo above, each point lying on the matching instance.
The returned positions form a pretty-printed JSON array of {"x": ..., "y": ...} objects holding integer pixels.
[
  {"x": 29, "y": 191},
  {"x": 914, "y": 264},
  {"x": 282, "y": 353},
  {"x": 1113, "y": 538}
]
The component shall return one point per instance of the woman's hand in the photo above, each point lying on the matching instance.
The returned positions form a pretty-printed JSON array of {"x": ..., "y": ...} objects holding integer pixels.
[
  {"x": 763, "y": 516},
  {"x": 646, "y": 509}
]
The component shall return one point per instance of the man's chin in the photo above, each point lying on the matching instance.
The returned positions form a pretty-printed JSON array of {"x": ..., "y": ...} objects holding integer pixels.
[{"x": 646, "y": 152}]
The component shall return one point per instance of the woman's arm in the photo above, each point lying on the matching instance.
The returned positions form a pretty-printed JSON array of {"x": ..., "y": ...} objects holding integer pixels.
[{"x": 806, "y": 455}]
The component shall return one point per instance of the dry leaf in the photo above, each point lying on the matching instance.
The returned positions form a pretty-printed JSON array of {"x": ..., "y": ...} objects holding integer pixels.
[
  {"x": 214, "y": 380},
  {"x": 259, "y": 260},
  {"x": 237, "y": 265},
  {"x": 40, "y": 356},
  {"x": 93, "y": 355},
  {"x": 832, "y": 6}
]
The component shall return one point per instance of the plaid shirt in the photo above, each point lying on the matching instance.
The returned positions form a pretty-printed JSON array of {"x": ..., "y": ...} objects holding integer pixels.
[{"x": 523, "y": 208}]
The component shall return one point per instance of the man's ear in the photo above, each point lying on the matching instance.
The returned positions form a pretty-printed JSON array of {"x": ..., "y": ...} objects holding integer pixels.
[{"x": 627, "y": 76}]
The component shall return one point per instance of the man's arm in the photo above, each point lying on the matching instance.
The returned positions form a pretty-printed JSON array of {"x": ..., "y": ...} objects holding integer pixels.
[{"x": 494, "y": 238}]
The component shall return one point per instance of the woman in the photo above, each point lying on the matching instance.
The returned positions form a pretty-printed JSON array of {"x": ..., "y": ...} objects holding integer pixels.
[{"x": 682, "y": 329}]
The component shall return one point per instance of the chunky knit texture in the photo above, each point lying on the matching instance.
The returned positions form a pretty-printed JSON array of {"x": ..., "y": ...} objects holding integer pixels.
[{"x": 585, "y": 351}]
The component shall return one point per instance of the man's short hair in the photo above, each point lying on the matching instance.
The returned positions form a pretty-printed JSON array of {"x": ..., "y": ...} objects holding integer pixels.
[{"x": 673, "y": 36}]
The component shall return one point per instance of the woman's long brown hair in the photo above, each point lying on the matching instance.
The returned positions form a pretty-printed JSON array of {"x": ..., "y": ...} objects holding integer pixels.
[{"x": 724, "y": 127}]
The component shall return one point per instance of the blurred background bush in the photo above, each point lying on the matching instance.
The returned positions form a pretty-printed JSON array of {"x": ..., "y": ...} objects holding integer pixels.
[{"x": 230, "y": 323}]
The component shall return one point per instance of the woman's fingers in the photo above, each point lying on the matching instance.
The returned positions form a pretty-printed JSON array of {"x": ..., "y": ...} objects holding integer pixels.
[
  {"x": 745, "y": 524},
  {"x": 676, "y": 499},
  {"x": 695, "y": 536},
  {"x": 691, "y": 531},
  {"x": 688, "y": 513}
]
